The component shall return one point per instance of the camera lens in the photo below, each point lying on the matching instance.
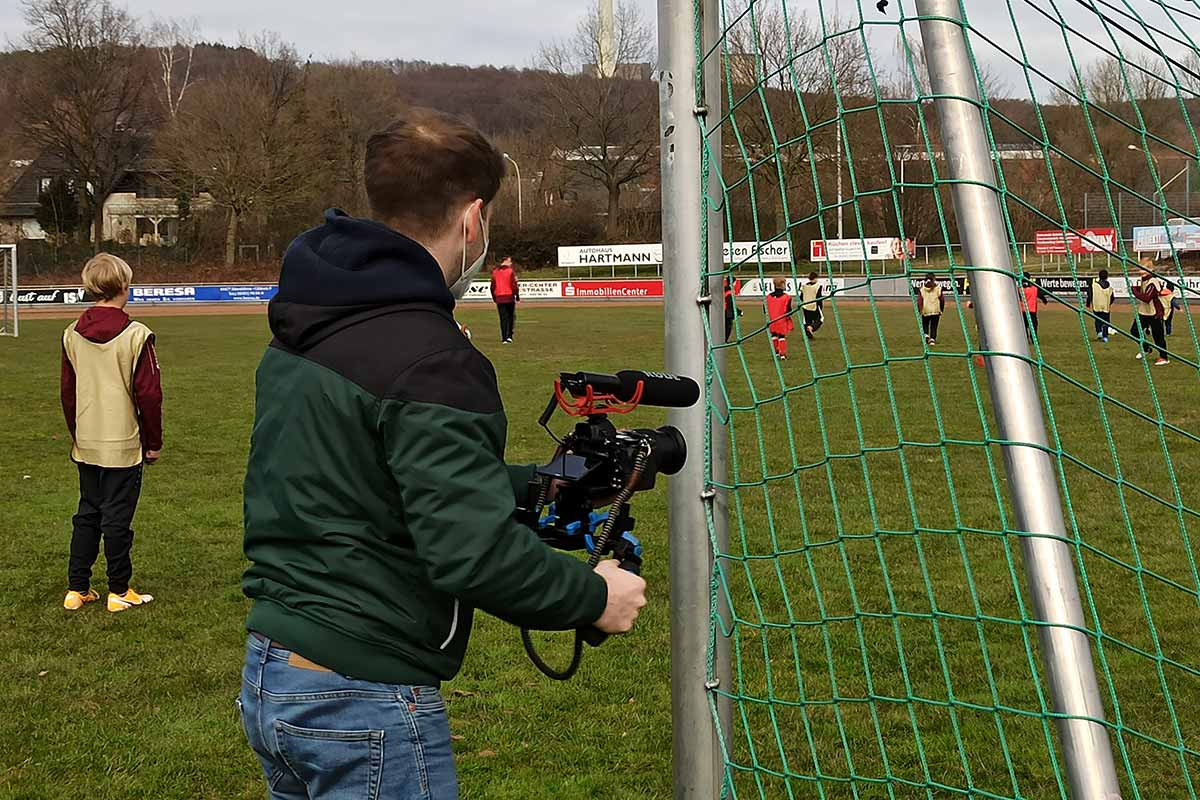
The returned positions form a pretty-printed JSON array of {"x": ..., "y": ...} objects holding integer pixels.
[{"x": 668, "y": 447}]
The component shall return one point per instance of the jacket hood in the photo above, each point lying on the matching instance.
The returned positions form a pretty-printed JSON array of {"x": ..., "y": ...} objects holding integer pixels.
[
  {"x": 335, "y": 274},
  {"x": 1103, "y": 282},
  {"x": 102, "y": 324}
]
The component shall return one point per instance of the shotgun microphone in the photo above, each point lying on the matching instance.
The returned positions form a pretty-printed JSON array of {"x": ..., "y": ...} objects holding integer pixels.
[{"x": 658, "y": 388}]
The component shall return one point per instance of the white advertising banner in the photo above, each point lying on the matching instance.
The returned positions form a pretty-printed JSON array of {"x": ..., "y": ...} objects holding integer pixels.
[
  {"x": 606, "y": 255},
  {"x": 1189, "y": 285},
  {"x": 530, "y": 290},
  {"x": 767, "y": 252},
  {"x": 887, "y": 248},
  {"x": 541, "y": 290},
  {"x": 1159, "y": 238},
  {"x": 478, "y": 290},
  {"x": 757, "y": 287}
]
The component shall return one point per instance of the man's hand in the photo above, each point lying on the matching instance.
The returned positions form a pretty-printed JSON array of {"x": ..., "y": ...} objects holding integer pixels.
[
  {"x": 152, "y": 456},
  {"x": 626, "y": 597}
]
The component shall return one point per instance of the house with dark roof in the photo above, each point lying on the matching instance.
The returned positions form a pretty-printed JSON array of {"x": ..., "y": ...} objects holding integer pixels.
[
  {"x": 19, "y": 202},
  {"x": 143, "y": 209}
]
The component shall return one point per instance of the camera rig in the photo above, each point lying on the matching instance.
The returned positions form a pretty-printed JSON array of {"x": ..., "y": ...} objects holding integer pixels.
[{"x": 598, "y": 465}]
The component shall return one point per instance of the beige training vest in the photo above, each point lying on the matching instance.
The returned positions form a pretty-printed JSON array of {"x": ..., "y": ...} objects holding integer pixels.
[
  {"x": 931, "y": 301},
  {"x": 1147, "y": 309},
  {"x": 1101, "y": 297},
  {"x": 107, "y": 433},
  {"x": 808, "y": 293}
]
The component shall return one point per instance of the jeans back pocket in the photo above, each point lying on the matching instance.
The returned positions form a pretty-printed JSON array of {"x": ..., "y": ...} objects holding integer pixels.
[{"x": 332, "y": 763}]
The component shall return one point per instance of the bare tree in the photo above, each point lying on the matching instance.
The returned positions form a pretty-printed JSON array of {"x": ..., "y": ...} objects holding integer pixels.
[
  {"x": 175, "y": 43},
  {"x": 912, "y": 76},
  {"x": 245, "y": 138},
  {"x": 911, "y": 120},
  {"x": 1189, "y": 76},
  {"x": 10, "y": 163},
  {"x": 1123, "y": 97},
  {"x": 605, "y": 126},
  {"x": 785, "y": 49},
  {"x": 354, "y": 99},
  {"x": 803, "y": 70},
  {"x": 87, "y": 107},
  {"x": 1113, "y": 82}
]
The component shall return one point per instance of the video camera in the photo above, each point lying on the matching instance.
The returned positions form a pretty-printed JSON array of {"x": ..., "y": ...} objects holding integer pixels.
[{"x": 599, "y": 465}]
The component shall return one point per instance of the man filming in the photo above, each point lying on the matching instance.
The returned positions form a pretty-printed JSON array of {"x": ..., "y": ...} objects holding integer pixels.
[{"x": 379, "y": 512}]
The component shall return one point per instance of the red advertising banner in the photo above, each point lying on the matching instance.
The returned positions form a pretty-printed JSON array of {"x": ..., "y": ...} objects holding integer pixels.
[
  {"x": 634, "y": 289},
  {"x": 1088, "y": 240}
]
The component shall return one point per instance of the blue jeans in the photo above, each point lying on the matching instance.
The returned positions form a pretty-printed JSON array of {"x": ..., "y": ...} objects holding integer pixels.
[{"x": 323, "y": 736}]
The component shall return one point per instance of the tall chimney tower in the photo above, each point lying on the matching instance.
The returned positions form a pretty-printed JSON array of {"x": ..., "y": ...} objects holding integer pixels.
[{"x": 608, "y": 48}]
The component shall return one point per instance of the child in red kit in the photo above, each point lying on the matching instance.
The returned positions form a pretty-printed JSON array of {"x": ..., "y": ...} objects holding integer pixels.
[{"x": 779, "y": 312}]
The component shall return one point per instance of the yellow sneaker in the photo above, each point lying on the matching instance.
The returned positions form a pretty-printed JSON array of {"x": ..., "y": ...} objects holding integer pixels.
[
  {"x": 75, "y": 600},
  {"x": 120, "y": 602}
]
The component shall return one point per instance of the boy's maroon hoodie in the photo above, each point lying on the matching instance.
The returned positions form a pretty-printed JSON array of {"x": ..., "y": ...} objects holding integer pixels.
[
  {"x": 102, "y": 324},
  {"x": 1148, "y": 293}
]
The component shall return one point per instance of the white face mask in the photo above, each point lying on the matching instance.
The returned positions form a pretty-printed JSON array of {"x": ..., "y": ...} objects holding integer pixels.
[{"x": 460, "y": 286}]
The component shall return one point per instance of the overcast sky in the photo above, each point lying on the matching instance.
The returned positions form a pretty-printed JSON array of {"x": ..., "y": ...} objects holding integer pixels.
[
  {"x": 452, "y": 31},
  {"x": 509, "y": 32}
]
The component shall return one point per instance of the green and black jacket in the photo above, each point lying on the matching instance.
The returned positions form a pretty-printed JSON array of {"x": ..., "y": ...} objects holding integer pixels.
[{"x": 378, "y": 507}]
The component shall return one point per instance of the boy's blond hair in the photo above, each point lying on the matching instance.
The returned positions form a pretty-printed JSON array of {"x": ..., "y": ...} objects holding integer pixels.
[
  {"x": 780, "y": 283},
  {"x": 106, "y": 276}
]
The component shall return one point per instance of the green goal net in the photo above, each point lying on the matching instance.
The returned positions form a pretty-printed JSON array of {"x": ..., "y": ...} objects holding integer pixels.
[{"x": 873, "y": 593}]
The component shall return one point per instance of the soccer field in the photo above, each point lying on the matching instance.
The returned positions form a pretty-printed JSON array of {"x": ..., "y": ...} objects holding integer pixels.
[{"x": 905, "y": 619}]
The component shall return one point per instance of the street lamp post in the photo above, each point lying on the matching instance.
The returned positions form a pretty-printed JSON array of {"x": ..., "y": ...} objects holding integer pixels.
[
  {"x": 520, "y": 204},
  {"x": 903, "y": 153},
  {"x": 1162, "y": 190},
  {"x": 839, "y": 180}
]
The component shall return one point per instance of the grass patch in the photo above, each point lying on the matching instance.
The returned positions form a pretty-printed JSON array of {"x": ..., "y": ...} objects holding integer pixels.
[{"x": 878, "y": 601}]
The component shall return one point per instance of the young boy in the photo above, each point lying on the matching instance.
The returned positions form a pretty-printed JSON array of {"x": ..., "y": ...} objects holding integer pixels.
[
  {"x": 779, "y": 312},
  {"x": 112, "y": 401},
  {"x": 1031, "y": 295},
  {"x": 731, "y": 309},
  {"x": 812, "y": 305},
  {"x": 1099, "y": 302},
  {"x": 1171, "y": 304},
  {"x": 933, "y": 303},
  {"x": 1150, "y": 312}
]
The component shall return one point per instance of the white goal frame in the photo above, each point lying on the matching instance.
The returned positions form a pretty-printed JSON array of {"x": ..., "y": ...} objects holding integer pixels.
[{"x": 9, "y": 324}]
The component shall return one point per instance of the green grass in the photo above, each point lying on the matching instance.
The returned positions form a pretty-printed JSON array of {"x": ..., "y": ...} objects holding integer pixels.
[
  {"x": 873, "y": 556},
  {"x": 848, "y": 594}
]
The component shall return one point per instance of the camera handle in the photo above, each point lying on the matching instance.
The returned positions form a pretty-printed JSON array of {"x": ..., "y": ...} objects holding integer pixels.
[
  {"x": 628, "y": 551},
  {"x": 615, "y": 536}
]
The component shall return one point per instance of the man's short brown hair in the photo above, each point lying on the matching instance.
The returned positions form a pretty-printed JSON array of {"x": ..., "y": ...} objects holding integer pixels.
[
  {"x": 106, "y": 276},
  {"x": 425, "y": 163}
]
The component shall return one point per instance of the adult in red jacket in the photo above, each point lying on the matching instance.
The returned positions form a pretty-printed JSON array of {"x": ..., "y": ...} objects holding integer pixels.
[{"x": 506, "y": 293}]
